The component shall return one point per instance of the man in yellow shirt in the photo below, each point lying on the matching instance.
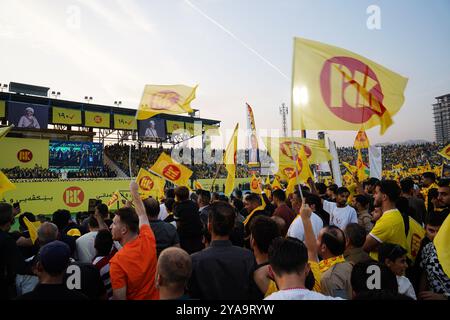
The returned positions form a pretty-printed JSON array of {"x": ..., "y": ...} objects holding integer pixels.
[
  {"x": 429, "y": 182},
  {"x": 390, "y": 227}
]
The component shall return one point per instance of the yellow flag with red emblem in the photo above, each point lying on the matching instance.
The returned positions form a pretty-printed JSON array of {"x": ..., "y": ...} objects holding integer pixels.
[
  {"x": 171, "y": 170},
  {"x": 336, "y": 89},
  {"x": 276, "y": 184},
  {"x": 229, "y": 159},
  {"x": 169, "y": 99},
  {"x": 198, "y": 185},
  {"x": 149, "y": 184},
  {"x": 445, "y": 152},
  {"x": 303, "y": 168},
  {"x": 361, "y": 140},
  {"x": 363, "y": 171}
]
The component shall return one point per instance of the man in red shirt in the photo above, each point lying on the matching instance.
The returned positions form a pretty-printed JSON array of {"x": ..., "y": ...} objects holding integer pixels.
[
  {"x": 133, "y": 268},
  {"x": 282, "y": 210}
]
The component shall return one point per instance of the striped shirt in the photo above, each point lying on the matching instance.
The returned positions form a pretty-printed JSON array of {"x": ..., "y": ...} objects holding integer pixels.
[{"x": 102, "y": 264}]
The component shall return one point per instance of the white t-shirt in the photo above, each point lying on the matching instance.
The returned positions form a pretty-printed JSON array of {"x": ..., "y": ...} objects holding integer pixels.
[
  {"x": 405, "y": 287},
  {"x": 340, "y": 217},
  {"x": 296, "y": 230},
  {"x": 162, "y": 212},
  {"x": 85, "y": 247},
  {"x": 299, "y": 294}
]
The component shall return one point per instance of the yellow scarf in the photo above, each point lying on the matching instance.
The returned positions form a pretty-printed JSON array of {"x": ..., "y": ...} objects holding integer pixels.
[
  {"x": 251, "y": 214},
  {"x": 324, "y": 265}
]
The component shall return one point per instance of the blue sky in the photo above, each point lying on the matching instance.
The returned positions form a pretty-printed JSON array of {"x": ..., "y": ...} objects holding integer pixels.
[{"x": 237, "y": 51}]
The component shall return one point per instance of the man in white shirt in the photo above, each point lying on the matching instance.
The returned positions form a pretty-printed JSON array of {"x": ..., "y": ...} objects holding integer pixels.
[
  {"x": 341, "y": 214},
  {"x": 296, "y": 230},
  {"x": 288, "y": 258},
  {"x": 253, "y": 151},
  {"x": 151, "y": 132},
  {"x": 85, "y": 244}
]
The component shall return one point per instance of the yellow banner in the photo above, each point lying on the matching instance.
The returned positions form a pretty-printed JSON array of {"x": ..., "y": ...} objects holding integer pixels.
[
  {"x": 149, "y": 184},
  {"x": 211, "y": 130},
  {"x": 96, "y": 119},
  {"x": 73, "y": 195},
  {"x": 169, "y": 99},
  {"x": 66, "y": 116},
  {"x": 23, "y": 153},
  {"x": 445, "y": 152},
  {"x": 171, "y": 170},
  {"x": 125, "y": 122},
  {"x": 335, "y": 89},
  {"x": 174, "y": 125},
  {"x": 2, "y": 108}
]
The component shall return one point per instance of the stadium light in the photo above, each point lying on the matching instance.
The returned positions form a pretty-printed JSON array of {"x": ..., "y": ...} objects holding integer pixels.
[
  {"x": 117, "y": 103},
  {"x": 3, "y": 86},
  {"x": 88, "y": 99},
  {"x": 56, "y": 94}
]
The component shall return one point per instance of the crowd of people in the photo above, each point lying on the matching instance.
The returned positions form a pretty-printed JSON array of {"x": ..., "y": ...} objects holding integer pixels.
[
  {"x": 38, "y": 172},
  {"x": 318, "y": 243},
  {"x": 410, "y": 156}
]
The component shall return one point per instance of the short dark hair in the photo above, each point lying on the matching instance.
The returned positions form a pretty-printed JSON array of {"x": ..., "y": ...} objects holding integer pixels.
[
  {"x": 238, "y": 193},
  {"x": 372, "y": 181},
  {"x": 287, "y": 255},
  {"x": 238, "y": 204},
  {"x": 334, "y": 239},
  {"x": 215, "y": 196},
  {"x": 342, "y": 190},
  {"x": 263, "y": 230},
  {"x": 333, "y": 187},
  {"x": 444, "y": 183},
  {"x": 169, "y": 204},
  {"x": 253, "y": 197},
  {"x": 182, "y": 193},
  {"x": 61, "y": 218},
  {"x": 222, "y": 216},
  {"x": 313, "y": 199},
  {"x": 279, "y": 194},
  {"x": 361, "y": 273},
  {"x": 92, "y": 222},
  {"x": 151, "y": 207},
  {"x": 390, "y": 251},
  {"x": 129, "y": 217},
  {"x": 103, "y": 242},
  {"x": 321, "y": 187},
  {"x": 362, "y": 200},
  {"x": 429, "y": 175},
  {"x": 103, "y": 210},
  {"x": 407, "y": 184},
  {"x": 223, "y": 198},
  {"x": 436, "y": 219},
  {"x": 205, "y": 195},
  {"x": 6, "y": 213},
  {"x": 356, "y": 234},
  {"x": 170, "y": 193},
  {"x": 390, "y": 188}
]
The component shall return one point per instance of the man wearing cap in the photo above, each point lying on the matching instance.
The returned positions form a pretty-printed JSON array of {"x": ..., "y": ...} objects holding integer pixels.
[
  {"x": 28, "y": 120},
  {"x": 52, "y": 262}
]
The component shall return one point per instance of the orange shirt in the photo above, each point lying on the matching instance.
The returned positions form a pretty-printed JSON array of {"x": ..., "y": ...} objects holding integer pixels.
[{"x": 135, "y": 267}]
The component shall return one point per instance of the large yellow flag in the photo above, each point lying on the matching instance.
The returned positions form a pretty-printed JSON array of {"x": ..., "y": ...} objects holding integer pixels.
[
  {"x": 336, "y": 89},
  {"x": 361, "y": 140},
  {"x": 171, "y": 170},
  {"x": 5, "y": 184},
  {"x": 170, "y": 99},
  {"x": 445, "y": 152},
  {"x": 229, "y": 159},
  {"x": 4, "y": 130},
  {"x": 148, "y": 183},
  {"x": 442, "y": 245}
]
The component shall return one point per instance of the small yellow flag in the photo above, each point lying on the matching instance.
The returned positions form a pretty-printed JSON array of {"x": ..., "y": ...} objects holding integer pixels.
[
  {"x": 4, "y": 130},
  {"x": 361, "y": 140},
  {"x": 254, "y": 185},
  {"x": 229, "y": 160},
  {"x": 169, "y": 99},
  {"x": 114, "y": 199},
  {"x": 445, "y": 152},
  {"x": 171, "y": 170},
  {"x": 276, "y": 184},
  {"x": 442, "y": 245},
  {"x": 5, "y": 184},
  {"x": 32, "y": 228},
  {"x": 149, "y": 184},
  {"x": 362, "y": 168},
  {"x": 198, "y": 185},
  {"x": 304, "y": 170}
]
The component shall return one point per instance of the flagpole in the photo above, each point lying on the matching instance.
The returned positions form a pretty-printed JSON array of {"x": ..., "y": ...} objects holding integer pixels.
[{"x": 215, "y": 177}]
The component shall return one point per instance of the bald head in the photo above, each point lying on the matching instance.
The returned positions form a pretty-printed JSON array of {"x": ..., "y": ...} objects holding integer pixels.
[
  {"x": 175, "y": 267},
  {"x": 151, "y": 207},
  {"x": 47, "y": 233}
]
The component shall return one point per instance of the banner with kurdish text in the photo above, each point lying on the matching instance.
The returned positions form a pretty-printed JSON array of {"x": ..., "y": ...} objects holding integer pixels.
[
  {"x": 73, "y": 195},
  {"x": 96, "y": 119},
  {"x": 125, "y": 122},
  {"x": 23, "y": 153},
  {"x": 66, "y": 116},
  {"x": 174, "y": 125}
]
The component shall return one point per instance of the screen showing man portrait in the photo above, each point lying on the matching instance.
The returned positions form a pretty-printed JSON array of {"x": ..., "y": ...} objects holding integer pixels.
[
  {"x": 27, "y": 115},
  {"x": 152, "y": 129}
]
